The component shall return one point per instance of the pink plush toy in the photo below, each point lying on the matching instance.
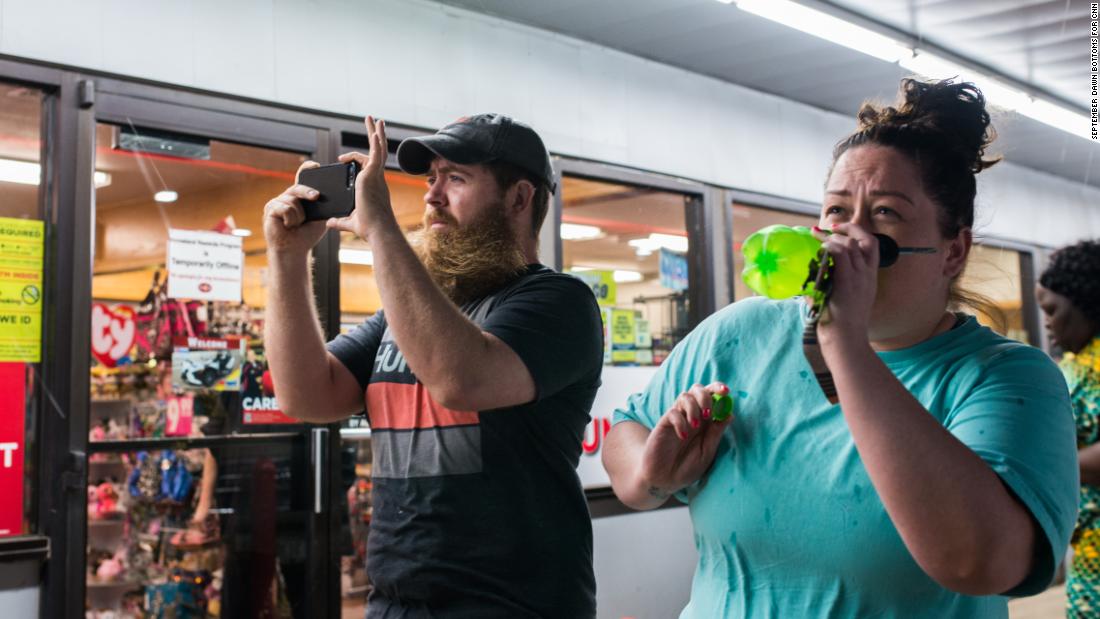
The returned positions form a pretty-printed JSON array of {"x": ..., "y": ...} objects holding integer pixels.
[
  {"x": 111, "y": 568},
  {"x": 107, "y": 500}
]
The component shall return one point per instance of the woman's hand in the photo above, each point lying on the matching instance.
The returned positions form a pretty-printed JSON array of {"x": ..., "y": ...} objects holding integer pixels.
[
  {"x": 372, "y": 195},
  {"x": 854, "y": 251},
  {"x": 681, "y": 447}
]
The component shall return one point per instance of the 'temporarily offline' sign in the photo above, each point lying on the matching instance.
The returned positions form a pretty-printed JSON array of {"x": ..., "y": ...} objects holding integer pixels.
[{"x": 206, "y": 266}]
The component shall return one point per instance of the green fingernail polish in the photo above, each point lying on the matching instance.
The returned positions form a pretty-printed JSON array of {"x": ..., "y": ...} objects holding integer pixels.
[{"x": 723, "y": 407}]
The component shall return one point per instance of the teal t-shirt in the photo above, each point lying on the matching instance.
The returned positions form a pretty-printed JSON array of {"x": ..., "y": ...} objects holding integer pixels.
[{"x": 787, "y": 523}]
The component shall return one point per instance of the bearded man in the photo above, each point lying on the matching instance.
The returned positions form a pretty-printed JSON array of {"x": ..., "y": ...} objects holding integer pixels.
[{"x": 477, "y": 377}]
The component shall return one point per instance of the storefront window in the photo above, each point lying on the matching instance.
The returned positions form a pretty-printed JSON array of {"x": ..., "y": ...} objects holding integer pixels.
[
  {"x": 995, "y": 273},
  {"x": 179, "y": 284},
  {"x": 22, "y": 245},
  {"x": 630, "y": 244}
]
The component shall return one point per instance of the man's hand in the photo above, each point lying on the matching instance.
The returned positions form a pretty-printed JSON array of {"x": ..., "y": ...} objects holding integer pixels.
[
  {"x": 372, "y": 195},
  {"x": 285, "y": 226},
  {"x": 681, "y": 447}
]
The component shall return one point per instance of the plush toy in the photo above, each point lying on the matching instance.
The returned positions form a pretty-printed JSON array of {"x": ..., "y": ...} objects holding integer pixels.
[
  {"x": 106, "y": 500},
  {"x": 110, "y": 569}
]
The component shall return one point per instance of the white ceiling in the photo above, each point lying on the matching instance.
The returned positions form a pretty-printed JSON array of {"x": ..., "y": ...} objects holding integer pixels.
[{"x": 1043, "y": 45}]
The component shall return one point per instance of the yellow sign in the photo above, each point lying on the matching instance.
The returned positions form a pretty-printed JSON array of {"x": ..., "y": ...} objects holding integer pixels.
[
  {"x": 21, "y": 247},
  {"x": 622, "y": 329},
  {"x": 602, "y": 284}
]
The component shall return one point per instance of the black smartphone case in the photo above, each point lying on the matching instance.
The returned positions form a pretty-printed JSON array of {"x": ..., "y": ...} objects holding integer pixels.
[{"x": 336, "y": 184}]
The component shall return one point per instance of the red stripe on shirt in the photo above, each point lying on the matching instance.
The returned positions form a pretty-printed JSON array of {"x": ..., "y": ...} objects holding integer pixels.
[{"x": 396, "y": 406}]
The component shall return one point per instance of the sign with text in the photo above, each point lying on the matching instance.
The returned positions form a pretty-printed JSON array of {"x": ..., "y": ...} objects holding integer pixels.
[
  {"x": 602, "y": 284},
  {"x": 258, "y": 403},
  {"x": 205, "y": 266},
  {"x": 674, "y": 269},
  {"x": 113, "y": 333},
  {"x": 21, "y": 246},
  {"x": 179, "y": 415},
  {"x": 208, "y": 363},
  {"x": 12, "y": 416}
]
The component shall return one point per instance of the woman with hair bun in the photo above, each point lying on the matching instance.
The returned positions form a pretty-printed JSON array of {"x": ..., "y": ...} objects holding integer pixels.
[
  {"x": 942, "y": 482},
  {"x": 1069, "y": 295}
]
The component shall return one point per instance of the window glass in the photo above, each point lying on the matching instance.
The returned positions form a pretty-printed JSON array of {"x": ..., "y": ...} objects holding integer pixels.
[
  {"x": 994, "y": 273},
  {"x": 630, "y": 244},
  {"x": 359, "y": 297},
  {"x": 178, "y": 287},
  {"x": 21, "y": 284}
]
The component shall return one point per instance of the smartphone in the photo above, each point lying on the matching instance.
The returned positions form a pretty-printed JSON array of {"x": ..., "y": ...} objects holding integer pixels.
[{"x": 336, "y": 184}]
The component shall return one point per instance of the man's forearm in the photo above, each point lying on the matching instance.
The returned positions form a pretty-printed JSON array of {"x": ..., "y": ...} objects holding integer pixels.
[
  {"x": 295, "y": 345},
  {"x": 420, "y": 316}
]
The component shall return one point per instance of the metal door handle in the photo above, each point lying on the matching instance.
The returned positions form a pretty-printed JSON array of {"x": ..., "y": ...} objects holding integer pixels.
[{"x": 320, "y": 435}]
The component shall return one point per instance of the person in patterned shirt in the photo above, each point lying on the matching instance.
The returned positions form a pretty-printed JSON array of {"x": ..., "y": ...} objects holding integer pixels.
[{"x": 1069, "y": 295}]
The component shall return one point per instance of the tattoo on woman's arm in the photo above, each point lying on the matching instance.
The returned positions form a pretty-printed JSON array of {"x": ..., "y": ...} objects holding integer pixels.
[{"x": 658, "y": 493}]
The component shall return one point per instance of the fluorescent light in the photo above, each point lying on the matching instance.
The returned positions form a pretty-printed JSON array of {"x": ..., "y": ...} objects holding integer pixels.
[
  {"x": 626, "y": 277},
  {"x": 166, "y": 196},
  {"x": 1059, "y": 117},
  {"x": 357, "y": 256},
  {"x": 241, "y": 232},
  {"x": 30, "y": 173},
  {"x": 931, "y": 66},
  {"x": 996, "y": 92},
  {"x": 22, "y": 172},
  {"x": 578, "y": 232},
  {"x": 656, "y": 240},
  {"x": 828, "y": 27},
  {"x": 580, "y": 269}
]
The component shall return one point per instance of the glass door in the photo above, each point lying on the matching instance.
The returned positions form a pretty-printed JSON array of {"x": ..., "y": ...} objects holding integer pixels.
[{"x": 204, "y": 499}]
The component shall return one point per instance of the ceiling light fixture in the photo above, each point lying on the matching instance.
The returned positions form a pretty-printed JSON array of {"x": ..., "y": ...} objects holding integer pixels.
[
  {"x": 626, "y": 277},
  {"x": 656, "y": 240},
  {"x": 241, "y": 232},
  {"x": 579, "y": 232},
  {"x": 166, "y": 196},
  {"x": 919, "y": 61},
  {"x": 828, "y": 27},
  {"x": 357, "y": 256},
  {"x": 30, "y": 173}
]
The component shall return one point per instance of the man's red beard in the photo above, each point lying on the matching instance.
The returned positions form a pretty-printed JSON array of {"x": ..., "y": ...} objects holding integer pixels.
[{"x": 471, "y": 261}]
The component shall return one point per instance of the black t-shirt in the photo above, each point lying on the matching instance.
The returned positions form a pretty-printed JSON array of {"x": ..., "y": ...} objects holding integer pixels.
[{"x": 481, "y": 514}]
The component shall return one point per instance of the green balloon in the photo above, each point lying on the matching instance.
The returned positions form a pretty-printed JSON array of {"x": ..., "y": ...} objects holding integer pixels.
[{"x": 777, "y": 261}]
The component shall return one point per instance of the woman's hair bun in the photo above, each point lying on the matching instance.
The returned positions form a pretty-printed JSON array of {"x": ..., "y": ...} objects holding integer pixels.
[{"x": 952, "y": 113}]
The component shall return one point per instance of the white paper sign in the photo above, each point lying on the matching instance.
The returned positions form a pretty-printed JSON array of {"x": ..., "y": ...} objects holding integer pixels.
[{"x": 204, "y": 265}]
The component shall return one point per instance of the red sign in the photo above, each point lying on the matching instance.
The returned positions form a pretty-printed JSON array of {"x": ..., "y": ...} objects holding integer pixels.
[
  {"x": 181, "y": 410},
  {"x": 600, "y": 426},
  {"x": 12, "y": 415},
  {"x": 113, "y": 333},
  {"x": 258, "y": 403}
]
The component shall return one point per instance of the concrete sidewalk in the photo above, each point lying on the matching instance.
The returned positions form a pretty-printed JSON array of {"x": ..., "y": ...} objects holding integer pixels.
[{"x": 1050, "y": 604}]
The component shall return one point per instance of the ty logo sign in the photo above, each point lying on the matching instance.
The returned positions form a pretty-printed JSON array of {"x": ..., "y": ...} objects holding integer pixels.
[{"x": 112, "y": 333}]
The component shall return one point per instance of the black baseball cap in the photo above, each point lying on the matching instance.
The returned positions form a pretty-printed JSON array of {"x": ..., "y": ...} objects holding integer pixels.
[{"x": 480, "y": 139}]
